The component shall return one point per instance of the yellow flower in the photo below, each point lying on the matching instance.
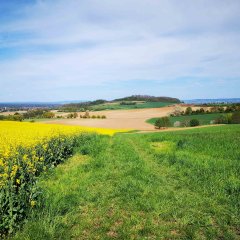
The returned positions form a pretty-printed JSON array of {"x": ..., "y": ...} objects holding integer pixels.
[
  {"x": 33, "y": 203},
  {"x": 18, "y": 181}
]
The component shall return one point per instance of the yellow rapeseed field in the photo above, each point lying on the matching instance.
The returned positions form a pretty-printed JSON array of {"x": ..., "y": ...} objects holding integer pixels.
[
  {"x": 27, "y": 150},
  {"x": 13, "y": 134}
]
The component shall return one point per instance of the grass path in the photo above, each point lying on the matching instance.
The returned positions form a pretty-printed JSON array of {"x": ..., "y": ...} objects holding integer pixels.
[{"x": 125, "y": 190}]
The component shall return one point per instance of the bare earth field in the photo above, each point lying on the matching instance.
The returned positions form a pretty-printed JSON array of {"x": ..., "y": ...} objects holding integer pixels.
[
  {"x": 120, "y": 119},
  {"x": 134, "y": 119}
]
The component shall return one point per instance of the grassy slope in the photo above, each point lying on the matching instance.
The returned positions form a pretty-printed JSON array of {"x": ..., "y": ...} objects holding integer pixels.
[
  {"x": 203, "y": 118},
  {"x": 181, "y": 185},
  {"x": 137, "y": 106}
]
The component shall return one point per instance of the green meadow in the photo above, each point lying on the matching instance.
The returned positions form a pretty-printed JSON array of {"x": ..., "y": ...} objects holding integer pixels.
[
  {"x": 172, "y": 185},
  {"x": 204, "y": 119},
  {"x": 138, "y": 105}
]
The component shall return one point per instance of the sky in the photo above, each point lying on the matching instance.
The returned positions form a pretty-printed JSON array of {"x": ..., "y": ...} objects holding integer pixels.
[{"x": 59, "y": 50}]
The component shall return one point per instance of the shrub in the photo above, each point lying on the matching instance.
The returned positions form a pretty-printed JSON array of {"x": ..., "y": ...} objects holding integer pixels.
[
  {"x": 103, "y": 117},
  {"x": 75, "y": 115},
  {"x": 93, "y": 116},
  {"x": 70, "y": 115},
  {"x": 188, "y": 111},
  {"x": 48, "y": 115},
  {"x": 236, "y": 117},
  {"x": 194, "y": 122},
  {"x": 86, "y": 115},
  {"x": 162, "y": 122},
  {"x": 185, "y": 123},
  {"x": 221, "y": 109},
  {"x": 177, "y": 124},
  {"x": 224, "y": 119}
]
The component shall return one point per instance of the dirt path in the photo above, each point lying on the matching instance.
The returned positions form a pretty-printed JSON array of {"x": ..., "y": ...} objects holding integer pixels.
[{"x": 172, "y": 129}]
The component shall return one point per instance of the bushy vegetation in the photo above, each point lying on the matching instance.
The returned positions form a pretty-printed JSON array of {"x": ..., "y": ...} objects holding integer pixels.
[
  {"x": 204, "y": 119},
  {"x": 128, "y": 103},
  {"x": 155, "y": 186},
  {"x": 236, "y": 118},
  {"x": 148, "y": 98},
  {"x": 162, "y": 122},
  {"x": 82, "y": 106},
  {"x": 72, "y": 115},
  {"x": 230, "y": 108},
  {"x": 38, "y": 113},
  {"x": 30, "y": 114},
  {"x": 15, "y": 117},
  {"x": 194, "y": 122}
]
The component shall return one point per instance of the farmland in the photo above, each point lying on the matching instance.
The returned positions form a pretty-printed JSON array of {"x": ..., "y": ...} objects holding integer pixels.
[
  {"x": 137, "y": 105},
  {"x": 173, "y": 185}
]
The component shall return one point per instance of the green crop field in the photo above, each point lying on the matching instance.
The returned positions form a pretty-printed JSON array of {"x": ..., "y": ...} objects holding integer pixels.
[
  {"x": 172, "y": 185},
  {"x": 204, "y": 119},
  {"x": 117, "y": 106}
]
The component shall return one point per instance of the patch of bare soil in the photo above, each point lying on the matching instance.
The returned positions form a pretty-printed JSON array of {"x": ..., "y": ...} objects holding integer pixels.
[{"x": 121, "y": 119}]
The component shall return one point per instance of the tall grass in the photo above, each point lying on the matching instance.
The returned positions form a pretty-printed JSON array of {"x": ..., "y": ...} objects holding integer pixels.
[{"x": 178, "y": 185}]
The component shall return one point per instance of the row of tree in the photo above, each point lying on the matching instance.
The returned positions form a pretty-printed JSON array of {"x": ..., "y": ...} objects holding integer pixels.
[
  {"x": 230, "y": 118},
  {"x": 30, "y": 114},
  {"x": 86, "y": 115},
  {"x": 215, "y": 109}
]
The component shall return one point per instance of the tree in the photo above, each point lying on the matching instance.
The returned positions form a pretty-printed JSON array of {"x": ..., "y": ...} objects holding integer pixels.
[
  {"x": 70, "y": 115},
  {"x": 194, "y": 122},
  {"x": 86, "y": 115},
  {"x": 177, "y": 111},
  {"x": 162, "y": 122},
  {"x": 188, "y": 111},
  {"x": 48, "y": 115}
]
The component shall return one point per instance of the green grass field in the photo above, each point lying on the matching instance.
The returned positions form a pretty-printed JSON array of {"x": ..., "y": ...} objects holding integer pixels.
[
  {"x": 204, "y": 119},
  {"x": 172, "y": 185},
  {"x": 117, "y": 106}
]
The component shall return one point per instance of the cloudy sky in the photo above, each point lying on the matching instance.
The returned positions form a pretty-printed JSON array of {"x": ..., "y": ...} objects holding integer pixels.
[{"x": 53, "y": 50}]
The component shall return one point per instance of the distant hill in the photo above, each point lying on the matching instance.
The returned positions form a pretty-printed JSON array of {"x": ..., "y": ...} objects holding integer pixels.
[
  {"x": 148, "y": 98},
  {"x": 131, "y": 102}
]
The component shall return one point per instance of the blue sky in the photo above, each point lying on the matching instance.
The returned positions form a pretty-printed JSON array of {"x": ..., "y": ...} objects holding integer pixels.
[{"x": 54, "y": 50}]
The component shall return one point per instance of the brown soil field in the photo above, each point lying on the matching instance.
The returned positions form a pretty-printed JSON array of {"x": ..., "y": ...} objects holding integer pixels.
[
  {"x": 11, "y": 113},
  {"x": 120, "y": 119},
  {"x": 134, "y": 119}
]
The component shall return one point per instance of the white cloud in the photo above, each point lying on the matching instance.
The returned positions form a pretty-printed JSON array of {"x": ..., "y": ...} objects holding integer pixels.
[{"x": 87, "y": 43}]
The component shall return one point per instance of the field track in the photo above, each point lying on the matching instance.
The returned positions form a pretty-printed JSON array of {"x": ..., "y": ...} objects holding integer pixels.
[{"x": 173, "y": 129}]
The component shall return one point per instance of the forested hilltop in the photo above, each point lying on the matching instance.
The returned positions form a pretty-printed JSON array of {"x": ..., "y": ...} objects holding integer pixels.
[
  {"x": 131, "y": 102},
  {"x": 148, "y": 98}
]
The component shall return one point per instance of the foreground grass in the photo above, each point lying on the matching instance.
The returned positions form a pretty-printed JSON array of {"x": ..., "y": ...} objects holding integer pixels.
[
  {"x": 181, "y": 185},
  {"x": 204, "y": 119}
]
